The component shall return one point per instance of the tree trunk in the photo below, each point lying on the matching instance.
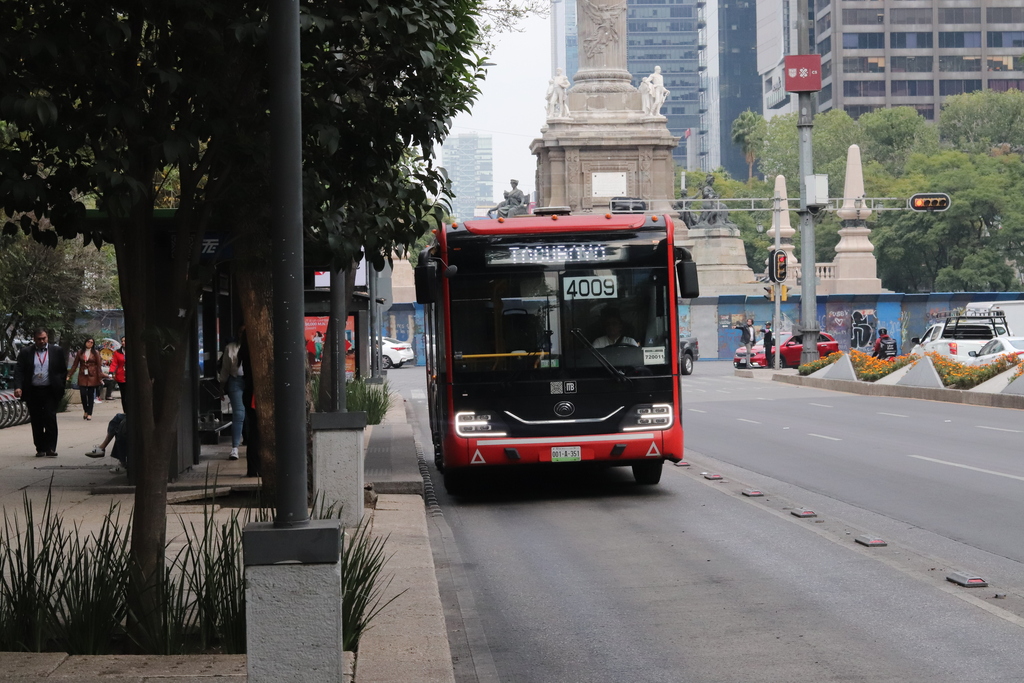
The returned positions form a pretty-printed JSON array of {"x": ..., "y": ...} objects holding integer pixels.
[
  {"x": 158, "y": 319},
  {"x": 254, "y": 289}
]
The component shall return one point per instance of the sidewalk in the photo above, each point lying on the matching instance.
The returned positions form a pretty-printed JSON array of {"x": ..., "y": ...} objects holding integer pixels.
[{"x": 406, "y": 642}]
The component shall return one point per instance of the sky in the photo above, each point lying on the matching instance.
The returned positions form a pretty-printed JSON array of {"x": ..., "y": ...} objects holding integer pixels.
[{"x": 511, "y": 104}]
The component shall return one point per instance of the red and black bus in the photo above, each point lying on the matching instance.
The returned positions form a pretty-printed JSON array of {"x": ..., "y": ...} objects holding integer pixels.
[{"x": 554, "y": 339}]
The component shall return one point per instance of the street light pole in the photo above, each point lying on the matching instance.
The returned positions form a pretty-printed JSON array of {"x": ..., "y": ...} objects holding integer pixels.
[
  {"x": 286, "y": 235},
  {"x": 808, "y": 267}
]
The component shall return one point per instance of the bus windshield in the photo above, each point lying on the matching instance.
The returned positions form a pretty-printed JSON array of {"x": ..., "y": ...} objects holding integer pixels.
[{"x": 543, "y": 322}]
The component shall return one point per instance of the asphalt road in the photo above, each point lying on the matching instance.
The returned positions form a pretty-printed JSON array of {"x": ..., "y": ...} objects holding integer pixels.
[{"x": 584, "y": 576}]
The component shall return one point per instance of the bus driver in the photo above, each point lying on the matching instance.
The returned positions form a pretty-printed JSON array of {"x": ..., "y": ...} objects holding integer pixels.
[{"x": 612, "y": 321}]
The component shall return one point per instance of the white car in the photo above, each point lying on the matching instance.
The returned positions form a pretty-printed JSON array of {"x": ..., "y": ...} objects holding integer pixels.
[
  {"x": 394, "y": 353},
  {"x": 1000, "y": 346}
]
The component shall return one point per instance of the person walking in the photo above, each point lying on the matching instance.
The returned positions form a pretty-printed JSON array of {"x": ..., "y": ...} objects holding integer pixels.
[
  {"x": 748, "y": 337},
  {"x": 40, "y": 375},
  {"x": 769, "y": 345},
  {"x": 232, "y": 384},
  {"x": 885, "y": 346},
  {"x": 116, "y": 372},
  {"x": 90, "y": 379},
  {"x": 252, "y": 429}
]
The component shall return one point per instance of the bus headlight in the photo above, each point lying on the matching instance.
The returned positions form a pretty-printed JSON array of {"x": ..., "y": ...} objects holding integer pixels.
[
  {"x": 648, "y": 416},
  {"x": 478, "y": 424}
]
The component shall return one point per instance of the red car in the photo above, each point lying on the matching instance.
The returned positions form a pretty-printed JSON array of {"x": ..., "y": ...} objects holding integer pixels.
[{"x": 789, "y": 353}]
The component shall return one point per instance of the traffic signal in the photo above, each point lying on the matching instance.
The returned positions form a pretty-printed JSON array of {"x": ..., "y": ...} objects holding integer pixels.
[
  {"x": 934, "y": 201},
  {"x": 784, "y": 294},
  {"x": 777, "y": 265},
  {"x": 769, "y": 293}
]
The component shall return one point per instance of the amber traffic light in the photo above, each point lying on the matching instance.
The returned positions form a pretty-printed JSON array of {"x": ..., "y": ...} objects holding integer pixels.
[
  {"x": 934, "y": 201},
  {"x": 777, "y": 266}
]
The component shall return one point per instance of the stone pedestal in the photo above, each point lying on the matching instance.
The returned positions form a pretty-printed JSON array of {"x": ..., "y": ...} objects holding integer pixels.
[
  {"x": 338, "y": 462},
  {"x": 721, "y": 260},
  {"x": 293, "y": 602},
  {"x": 584, "y": 161}
]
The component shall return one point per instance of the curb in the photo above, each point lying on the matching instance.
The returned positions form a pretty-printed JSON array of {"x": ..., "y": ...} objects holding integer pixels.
[{"x": 1012, "y": 401}]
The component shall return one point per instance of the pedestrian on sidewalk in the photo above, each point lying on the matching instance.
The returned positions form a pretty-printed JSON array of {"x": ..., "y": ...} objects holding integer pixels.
[
  {"x": 90, "y": 375},
  {"x": 116, "y": 372},
  {"x": 769, "y": 345},
  {"x": 232, "y": 384},
  {"x": 252, "y": 427},
  {"x": 40, "y": 375},
  {"x": 116, "y": 429}
]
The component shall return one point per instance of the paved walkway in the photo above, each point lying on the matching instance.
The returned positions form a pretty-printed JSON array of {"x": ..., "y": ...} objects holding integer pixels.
[{"x": 407, "y": 640}]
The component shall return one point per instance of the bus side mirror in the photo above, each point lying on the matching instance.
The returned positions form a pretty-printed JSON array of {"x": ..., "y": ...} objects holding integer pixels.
[
  {"x": 686, "y": 274},
  {"x": 425, "y": 276}
]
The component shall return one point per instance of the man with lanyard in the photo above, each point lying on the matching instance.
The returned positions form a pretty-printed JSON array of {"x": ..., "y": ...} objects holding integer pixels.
[{"x": 40, "y": 374}]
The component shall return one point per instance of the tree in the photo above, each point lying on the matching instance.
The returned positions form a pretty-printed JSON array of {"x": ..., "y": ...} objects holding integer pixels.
[
  {"x": 975, "y": 122},
  {"x": 45, "y": 287},
  {"x": 748, "y": 131},
  {"x": 892, "y": 135},
  {"x": 964, "y": 247},
  {"x": 112, "y": 100},
  {"x": 780, "y": 154}
]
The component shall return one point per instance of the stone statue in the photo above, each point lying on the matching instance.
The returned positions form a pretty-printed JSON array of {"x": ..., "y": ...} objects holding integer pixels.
[
  {"x": 556, "y": 95},
  {"x": 712, "y": 212},
  {"x": 514, "y": 203},
  {"x": 656, "y": 93},
  {"x": 646, "y": 101}
]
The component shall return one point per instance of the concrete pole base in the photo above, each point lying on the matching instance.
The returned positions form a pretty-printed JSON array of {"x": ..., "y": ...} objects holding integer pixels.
[
  {"x": 339, "y": 456},
  {"x": 293, "y": 603}
]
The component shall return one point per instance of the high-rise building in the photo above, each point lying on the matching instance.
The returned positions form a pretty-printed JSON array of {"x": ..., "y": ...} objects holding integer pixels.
[
  {"x": 739, "y": 86},
  {"x": 776, "y": 38},
  {"x": 891, "y": 53},
  {"x": 669, "y": 34},
  {"x": 468, "y": 158}
]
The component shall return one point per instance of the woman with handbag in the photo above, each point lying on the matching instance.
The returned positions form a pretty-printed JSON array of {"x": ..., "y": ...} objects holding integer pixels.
[{"x": 89, "y": 366}]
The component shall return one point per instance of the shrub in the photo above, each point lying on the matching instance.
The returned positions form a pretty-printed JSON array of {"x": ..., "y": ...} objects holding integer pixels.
[
  {"x": 373, "y": 399},
  {"x": 814, "y": 366},
  {"x": 959, "y": 376},
  {"x": 62, "y": 591},
  {"x": 871, "y": 369}
]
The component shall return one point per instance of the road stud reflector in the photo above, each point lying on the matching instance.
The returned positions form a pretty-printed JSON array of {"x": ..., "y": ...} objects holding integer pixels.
[
  {"x": 752, "y": 493},
  {"x": 712, "y": 477},
  {"x": 871, "y": 541},
  {"x": 803, "y": 513},
  {"x": 966, "y": 580}
]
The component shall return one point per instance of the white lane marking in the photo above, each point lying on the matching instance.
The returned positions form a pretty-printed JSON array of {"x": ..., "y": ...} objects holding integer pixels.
[
  {"x": 723, "y": 391},
  {"x": 753, "y": 422},
  {"x": 697, "y": 411},
  {"x": 762, "y": 398},
  {"x": 822, "y": 436},
  {"x": 417, "y": 394},
  {"x": 968, "y": 467},
  {"x": 999, "y": 429},
  {"x": 892, "y": 414},
  {"x": 820, "y": 405}
]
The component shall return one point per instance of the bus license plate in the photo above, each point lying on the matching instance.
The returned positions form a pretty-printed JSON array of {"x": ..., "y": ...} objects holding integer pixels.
[{"x": 565, "y": 454}]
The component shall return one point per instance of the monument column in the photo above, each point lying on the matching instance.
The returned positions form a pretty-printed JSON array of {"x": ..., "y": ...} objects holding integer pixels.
[{"x": 602, "y": 42}]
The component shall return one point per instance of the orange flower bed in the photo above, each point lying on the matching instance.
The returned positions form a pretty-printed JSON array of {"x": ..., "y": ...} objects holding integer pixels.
[{"x": 959, "y": 376}]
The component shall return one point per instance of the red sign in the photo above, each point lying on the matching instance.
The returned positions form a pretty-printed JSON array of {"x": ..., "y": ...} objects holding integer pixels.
[{"x": 803, "y": 73}]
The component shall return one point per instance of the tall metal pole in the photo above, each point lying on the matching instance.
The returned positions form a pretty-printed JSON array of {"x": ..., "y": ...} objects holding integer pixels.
[
  {"x": 371, "y": 287},
  {"x": 808, "y": 272},
  {"x": 777, "y": 286},
  {"x": 286, "y": 236},
  {"x": 339, "y": 316}
]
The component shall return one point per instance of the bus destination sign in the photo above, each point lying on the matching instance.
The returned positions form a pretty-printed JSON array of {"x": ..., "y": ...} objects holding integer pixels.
[{"x": 551, "y": 254}]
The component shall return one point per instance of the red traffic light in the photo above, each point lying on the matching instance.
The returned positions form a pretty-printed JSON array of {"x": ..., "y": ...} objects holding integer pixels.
[
  {"x": 777, "y": 261},
  {"x": 934, "y": 201}
]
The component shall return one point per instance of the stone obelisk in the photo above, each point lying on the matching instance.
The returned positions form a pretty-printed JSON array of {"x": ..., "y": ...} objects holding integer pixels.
[{"x": 603, "y": 140}]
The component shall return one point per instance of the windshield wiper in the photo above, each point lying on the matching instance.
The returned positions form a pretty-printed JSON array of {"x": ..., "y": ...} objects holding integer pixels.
[{"x": 614, "y": 371}]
